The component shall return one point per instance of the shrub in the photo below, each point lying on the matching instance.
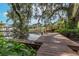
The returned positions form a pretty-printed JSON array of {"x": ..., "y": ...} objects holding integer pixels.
[
  {"x": 69, "y": 32},
  {"x": 13, "y": 48}
]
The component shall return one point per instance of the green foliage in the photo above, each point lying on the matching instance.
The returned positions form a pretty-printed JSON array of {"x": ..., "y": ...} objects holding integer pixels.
[
  {"x": 12, "y": 48},
  {"x": 1, "y": 33},
  {"x": 20, "y": 15},
  {"x": 69, "y": 32}
]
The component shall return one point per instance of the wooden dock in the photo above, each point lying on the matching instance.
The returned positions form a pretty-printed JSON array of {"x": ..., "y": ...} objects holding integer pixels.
[
  {"x": 53, "y": 49},
  {"x": 55, "y": 44}
]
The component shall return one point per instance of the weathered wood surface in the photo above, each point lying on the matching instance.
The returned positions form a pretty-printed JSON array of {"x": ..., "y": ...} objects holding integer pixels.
[
  {"x": 56, "y": 38},
  {"x": 53, "y": 49},
  {"x": 23, "y": 41},
  {"x": 55, "y": 44}
]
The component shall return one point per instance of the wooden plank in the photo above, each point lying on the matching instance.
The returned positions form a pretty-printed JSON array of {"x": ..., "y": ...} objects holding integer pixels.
[
  {"x": 23, "y": 41},
  {"x": 66, "y": 40},
  {"x": 54, "y": 49},
  {"x": 56, "y": 38}
]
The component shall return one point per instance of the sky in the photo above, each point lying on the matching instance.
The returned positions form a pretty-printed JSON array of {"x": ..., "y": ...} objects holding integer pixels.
[
  {"x": 3, "y": 11},
  {"x": 4, "y": 7}
]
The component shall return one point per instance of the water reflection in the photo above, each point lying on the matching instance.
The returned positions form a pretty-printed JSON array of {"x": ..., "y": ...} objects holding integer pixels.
[{"x": 33, "y": 36}]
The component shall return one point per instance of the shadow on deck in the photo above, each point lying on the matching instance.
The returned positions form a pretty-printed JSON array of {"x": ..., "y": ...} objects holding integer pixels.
[{"x": 55, "y": 44}]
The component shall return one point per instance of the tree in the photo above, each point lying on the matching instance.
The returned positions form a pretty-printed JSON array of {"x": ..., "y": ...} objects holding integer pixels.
[
  {"x": 46, "y": 11},
  {"x": 20, "y": 14},
  {"x": 72, "y": 13}
]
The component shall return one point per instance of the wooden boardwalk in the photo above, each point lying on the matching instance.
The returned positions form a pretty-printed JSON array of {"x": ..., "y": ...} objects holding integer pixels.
[
  {"x": 53, "y": 49},
  {"x": 55, "y": 44}
]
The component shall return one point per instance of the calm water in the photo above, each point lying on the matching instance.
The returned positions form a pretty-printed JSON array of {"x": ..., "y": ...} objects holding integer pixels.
[{"x": 33, "y": 36}]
